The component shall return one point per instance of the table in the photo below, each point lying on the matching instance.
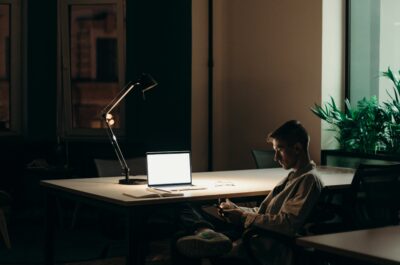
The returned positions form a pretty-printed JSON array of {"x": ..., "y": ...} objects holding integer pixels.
[
  {"x": 107, "y": 193},
  {"x": 376, "y": 246}
]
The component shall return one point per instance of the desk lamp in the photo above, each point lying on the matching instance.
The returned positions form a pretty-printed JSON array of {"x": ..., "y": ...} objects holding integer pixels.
[{"x": 145, "y": 83}]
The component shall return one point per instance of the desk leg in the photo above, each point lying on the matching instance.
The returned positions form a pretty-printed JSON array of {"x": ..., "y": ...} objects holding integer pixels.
[
  {"x": 135, "y": 238},
  {"x": 50, "y": 219}
]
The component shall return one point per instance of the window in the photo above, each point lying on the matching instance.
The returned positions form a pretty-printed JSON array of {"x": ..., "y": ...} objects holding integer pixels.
[
  {"x": 10, "y": 98},
  {"x": 92, "y": 48},
  {"x": 374, "y": 45}
]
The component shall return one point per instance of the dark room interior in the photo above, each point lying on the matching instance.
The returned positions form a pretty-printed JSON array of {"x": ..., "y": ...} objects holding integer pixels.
[{"x": 227, "y": 73}]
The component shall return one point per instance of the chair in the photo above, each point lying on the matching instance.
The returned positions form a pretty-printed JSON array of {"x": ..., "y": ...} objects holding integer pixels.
[
  {"x": 110, "y": 168},
  {"x": 316, "y": 217},
  {"x": 158, "y": 220},
  {"x": 250, "y": 234},
  {"x": 264, "y": 158},
  {"x": 374, "y": 199},
  {"x": 4, "y": 205}
]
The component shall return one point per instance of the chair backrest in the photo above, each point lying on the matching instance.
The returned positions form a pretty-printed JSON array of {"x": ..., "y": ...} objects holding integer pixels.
[
  {"x": 110, "y": 167},
  {"x": 264, "y": 158},
  {"x": 375, "y": 195}
]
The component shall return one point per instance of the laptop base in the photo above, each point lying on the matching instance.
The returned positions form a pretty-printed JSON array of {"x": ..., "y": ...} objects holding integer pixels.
[{"x": 178, "y": 188}]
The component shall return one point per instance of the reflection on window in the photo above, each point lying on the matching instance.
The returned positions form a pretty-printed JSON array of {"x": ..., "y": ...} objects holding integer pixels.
[
  {"x": 4, "y": 67},
  {"x": 94, "y": 63}
]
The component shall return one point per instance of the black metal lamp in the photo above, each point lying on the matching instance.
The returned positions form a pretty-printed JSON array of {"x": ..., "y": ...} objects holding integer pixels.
[{"x": 145, "y": 83}]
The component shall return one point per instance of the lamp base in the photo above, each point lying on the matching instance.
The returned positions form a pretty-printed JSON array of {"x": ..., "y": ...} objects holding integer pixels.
[{"x": 132, "y": 181}]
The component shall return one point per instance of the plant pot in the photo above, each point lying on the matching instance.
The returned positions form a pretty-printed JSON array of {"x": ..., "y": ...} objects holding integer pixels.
[{"x": 341, "y": 158}]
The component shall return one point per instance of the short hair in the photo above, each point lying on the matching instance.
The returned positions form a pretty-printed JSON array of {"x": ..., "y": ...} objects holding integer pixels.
[{"x": 291, "y": 132}]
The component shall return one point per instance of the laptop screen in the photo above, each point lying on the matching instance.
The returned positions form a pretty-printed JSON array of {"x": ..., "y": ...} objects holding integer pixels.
[{"x": 168, "y": 168}]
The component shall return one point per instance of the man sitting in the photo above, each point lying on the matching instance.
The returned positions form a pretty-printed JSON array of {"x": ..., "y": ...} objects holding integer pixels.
[{"x": 285, "y": 209}]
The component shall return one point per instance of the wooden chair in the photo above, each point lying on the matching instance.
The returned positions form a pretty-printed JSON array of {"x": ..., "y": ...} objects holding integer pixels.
[
  {"x": 264, "y": 158},
  {"x": 4, "y": 205}
]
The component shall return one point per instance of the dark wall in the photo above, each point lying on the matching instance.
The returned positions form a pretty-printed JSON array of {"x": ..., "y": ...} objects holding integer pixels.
[
  {"x": 41, "y": 91},
  {"x": 11, "y": 164},
  {"x": 158, "y": 42},
  {"x": 39, "y": 104},
  {"x": 158, "y": 35}
]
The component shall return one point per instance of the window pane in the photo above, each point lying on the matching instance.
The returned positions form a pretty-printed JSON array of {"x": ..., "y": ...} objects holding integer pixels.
[
  {"x": 374, "y": 46},
  {"x": 389, "y": 51},
  {"x": 94, "y": 63},
  {"x": 4, "y": 67}
]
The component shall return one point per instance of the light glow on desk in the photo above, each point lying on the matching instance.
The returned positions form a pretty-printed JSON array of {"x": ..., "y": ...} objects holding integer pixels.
[{"x": 252, "y": 182}]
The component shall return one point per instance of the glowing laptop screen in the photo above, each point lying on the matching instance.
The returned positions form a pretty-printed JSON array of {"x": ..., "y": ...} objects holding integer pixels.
[{"x": 168, "y": 168}]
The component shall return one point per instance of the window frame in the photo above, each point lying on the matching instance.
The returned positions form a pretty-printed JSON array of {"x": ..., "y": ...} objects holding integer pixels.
[
  {"x": 347, "y": 54},
  {"x": 65, "y": 119},
  {"x": 15, "y": 68}
]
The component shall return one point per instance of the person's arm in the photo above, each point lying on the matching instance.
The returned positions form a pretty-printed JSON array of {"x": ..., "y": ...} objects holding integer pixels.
[
  {"x": 234, "y": 216},
  {"x": 294, "y": 210},
  {"x": 228, "y": 204}
]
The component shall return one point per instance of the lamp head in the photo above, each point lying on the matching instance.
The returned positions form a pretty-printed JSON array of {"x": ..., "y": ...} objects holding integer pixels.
[{"x": 146, "y": 82}]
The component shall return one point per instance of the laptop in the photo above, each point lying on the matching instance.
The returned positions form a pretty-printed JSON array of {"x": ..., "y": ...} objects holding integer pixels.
[{"x": 170, "y": 171}]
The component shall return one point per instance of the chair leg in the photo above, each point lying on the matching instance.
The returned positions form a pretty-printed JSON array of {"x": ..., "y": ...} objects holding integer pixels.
[{"x": 3, "y": 229}]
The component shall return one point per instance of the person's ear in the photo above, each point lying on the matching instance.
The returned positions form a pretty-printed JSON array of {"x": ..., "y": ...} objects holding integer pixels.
[{"x": 298, "y": 148}]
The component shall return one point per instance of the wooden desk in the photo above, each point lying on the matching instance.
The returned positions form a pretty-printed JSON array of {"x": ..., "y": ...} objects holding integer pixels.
[
  {"x": 376, "y": 246},
  {"x": 106, "y": 192}
]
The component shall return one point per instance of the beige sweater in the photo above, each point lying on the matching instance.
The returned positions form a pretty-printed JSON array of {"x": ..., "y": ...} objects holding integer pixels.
[{"x": 288, "y": 205}]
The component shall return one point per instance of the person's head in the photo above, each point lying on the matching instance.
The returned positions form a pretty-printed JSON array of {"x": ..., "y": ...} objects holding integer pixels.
[{"x": 290, "y": 142}]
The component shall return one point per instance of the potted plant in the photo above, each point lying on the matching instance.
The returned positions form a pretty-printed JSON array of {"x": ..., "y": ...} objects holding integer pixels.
[
  {"x": 393, "y": 107},
  {"x": 359, "y": 130},
  {"x": 369, "y": 128}
]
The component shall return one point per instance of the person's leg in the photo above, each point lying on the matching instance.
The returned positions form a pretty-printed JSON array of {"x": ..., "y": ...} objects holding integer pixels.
[
  {"x": 201, "y": 239},
  {"x": 177, "y": 258},
  {"x": 191, "y": 218}
]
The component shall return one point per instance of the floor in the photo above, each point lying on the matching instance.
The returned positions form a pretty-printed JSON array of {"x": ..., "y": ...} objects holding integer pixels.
[{"x": 87, "y": 243}]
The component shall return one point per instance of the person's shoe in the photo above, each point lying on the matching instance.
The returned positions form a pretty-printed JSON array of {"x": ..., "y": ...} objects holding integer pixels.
[{"x": 206, "y": 243}]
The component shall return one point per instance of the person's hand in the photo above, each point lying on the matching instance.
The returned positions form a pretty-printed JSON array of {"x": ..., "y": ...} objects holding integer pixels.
[
  {"x": 233, "y": 216},
  {"x": 227, "y": 204}
]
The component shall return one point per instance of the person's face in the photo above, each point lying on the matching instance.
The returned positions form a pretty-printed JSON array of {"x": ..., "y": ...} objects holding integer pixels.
[{"x": 286, "y": 155}]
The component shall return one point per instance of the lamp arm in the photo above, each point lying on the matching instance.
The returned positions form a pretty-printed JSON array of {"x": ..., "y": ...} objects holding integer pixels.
[
  {"x": 117, "y": 149},
  {"x": 121, "y": 95}
]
